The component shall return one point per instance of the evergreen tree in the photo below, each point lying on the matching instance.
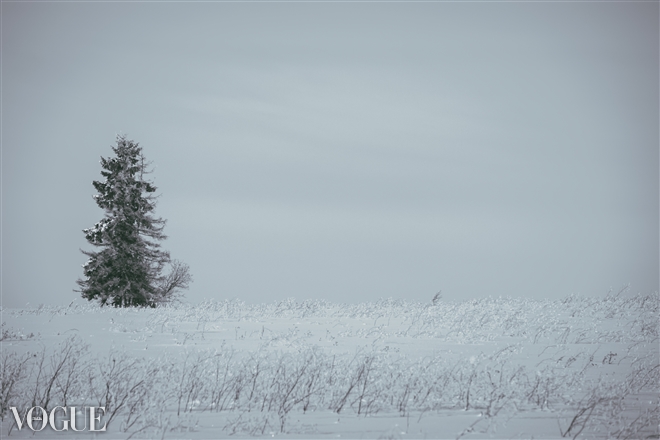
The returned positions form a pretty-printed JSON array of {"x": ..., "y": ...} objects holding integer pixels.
[{"x": 128, "y": 269}]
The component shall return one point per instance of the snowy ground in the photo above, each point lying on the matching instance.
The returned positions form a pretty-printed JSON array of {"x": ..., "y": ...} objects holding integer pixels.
[{"x": 492, "y": 368}]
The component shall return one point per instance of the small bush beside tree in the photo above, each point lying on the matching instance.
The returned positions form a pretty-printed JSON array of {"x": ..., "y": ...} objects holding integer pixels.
[{"x": 128, "y": 268}]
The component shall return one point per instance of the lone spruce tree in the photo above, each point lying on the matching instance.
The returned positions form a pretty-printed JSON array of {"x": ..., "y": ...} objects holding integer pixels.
[{"x": 128, "y": 268}]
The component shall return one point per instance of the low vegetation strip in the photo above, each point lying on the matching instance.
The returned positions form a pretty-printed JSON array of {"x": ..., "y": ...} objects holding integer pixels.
[{"x": 222, "y": 369}]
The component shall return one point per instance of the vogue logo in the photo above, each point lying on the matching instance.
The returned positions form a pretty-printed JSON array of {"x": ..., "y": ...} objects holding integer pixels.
[{"x": 39, "y": 417}]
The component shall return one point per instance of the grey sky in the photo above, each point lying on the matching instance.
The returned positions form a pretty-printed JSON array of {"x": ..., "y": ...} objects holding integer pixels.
[{"x": 341, "y": 151}]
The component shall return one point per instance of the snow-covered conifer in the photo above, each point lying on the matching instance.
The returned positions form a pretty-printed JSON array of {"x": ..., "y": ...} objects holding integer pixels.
[{"x": 128, "y": 268}]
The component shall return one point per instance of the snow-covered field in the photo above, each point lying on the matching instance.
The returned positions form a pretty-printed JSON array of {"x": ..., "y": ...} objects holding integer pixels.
[{"x": 492, "y": 368}]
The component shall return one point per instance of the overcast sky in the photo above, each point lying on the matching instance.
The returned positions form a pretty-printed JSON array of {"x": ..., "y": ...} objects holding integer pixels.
[{"x": 343, "y": 151}]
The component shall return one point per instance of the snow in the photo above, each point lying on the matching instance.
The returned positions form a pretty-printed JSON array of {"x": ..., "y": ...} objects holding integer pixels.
[{"x": 491, "y": 368}]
